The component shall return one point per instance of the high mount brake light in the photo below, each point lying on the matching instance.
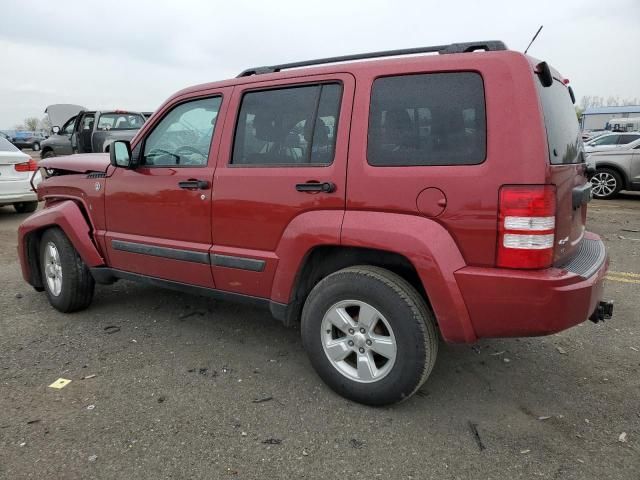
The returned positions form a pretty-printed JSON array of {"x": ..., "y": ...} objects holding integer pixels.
[{"x": 526, "y": 229}]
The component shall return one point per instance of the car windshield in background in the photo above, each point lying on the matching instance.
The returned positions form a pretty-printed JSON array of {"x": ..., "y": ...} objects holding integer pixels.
[
  {"x": 120, "y": 121},
  {"x": 7, "y": 146},
  {"x": 561, "y": 122}
]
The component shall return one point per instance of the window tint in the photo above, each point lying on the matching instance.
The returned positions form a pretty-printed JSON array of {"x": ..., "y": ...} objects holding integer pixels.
[
  {"x": 624, "y": 139},
  {"x": 289, "y": 126},
  {"x": 431, "y": 119},
  {"x": 183, "y": 137},
  {"x": 561, "y": 123}
]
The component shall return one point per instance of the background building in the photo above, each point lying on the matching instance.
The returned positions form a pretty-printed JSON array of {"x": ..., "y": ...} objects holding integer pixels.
[{"x": 596, "y": 118}]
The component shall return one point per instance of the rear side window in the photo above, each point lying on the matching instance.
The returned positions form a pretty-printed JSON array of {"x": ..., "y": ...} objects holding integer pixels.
[
  {"x": 7, "y": 146},
  {"x": 288, "y": 126},
  {"x": 429, "y": 119},
  {"x": 624, "y": 139},
  {"x": 561, "y": 122}
]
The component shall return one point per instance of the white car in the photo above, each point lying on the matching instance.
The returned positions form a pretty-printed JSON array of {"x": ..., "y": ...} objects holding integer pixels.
[
  {"x": 610, "y": 141},
  {"x": 16, "y": 170}
]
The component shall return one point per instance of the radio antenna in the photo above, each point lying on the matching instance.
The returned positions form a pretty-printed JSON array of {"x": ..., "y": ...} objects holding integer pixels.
[{"x": 533, "y": 39}]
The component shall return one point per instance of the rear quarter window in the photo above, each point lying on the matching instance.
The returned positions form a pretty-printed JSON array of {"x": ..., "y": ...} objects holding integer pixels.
[
  {"x": 427, "y": 119},
  {"x": 561, "y": 123}
]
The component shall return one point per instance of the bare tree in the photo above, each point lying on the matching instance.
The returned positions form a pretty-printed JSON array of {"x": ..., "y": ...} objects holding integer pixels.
[
  {"x": 45, "y": 124},
  {"x": 31, "y": 123},
  {"x": 590, "y": 101}
]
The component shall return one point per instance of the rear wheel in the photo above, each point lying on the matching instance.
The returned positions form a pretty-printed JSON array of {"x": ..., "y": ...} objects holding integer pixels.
[
  {"x": 369, "y": 335},
  {"x": 25, "y": 207},
  {"x": 606, "y": 183},
  {"x": 66, "y": 278},
  {"x": 35, "y": 147}
]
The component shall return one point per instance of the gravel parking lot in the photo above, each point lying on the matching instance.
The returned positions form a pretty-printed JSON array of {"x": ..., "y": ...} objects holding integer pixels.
[{"x": 167, "y": 385}]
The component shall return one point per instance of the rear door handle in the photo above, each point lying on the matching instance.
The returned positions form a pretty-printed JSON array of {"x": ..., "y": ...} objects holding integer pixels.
[
  {"x": 193, "y": 184},
  {"x": 326, "y": 187}
]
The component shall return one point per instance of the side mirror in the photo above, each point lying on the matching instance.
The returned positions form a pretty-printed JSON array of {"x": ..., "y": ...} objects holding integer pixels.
[
  {"x": 55, "y": 129},
  {"x": 120, "y": 154}
]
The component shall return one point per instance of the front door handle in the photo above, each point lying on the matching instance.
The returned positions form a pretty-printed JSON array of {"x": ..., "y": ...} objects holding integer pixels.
[
  {"x": 193, "y": 184},
  {"x": 326, "y": 187}
]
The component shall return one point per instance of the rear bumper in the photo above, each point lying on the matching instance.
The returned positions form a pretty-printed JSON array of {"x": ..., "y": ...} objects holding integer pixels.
[
  {"x": 517, "y": 303},
  {"x": 9, "y": 198}
]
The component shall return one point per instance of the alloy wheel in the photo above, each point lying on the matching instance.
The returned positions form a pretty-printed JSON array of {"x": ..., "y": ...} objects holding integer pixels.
[{"x": 358, "y": 341}]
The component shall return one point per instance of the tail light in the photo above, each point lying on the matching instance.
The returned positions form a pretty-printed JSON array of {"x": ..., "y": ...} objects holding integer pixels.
[
  {"x": 527, "y": 226},
  {"x": 30, "y": 166}
]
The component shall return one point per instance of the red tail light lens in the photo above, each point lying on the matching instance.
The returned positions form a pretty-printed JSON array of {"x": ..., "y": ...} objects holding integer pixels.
[
  {"x": 30, "y": 166},
  {"x": 526, "y": 229}
]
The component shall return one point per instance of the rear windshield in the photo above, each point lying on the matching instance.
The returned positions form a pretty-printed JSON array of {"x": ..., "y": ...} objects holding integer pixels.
[
  {"x": 7, "y": 146},
  {"x": 561, "y": 122}
]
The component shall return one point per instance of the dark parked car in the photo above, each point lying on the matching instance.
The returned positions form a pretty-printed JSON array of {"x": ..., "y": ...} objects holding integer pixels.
[
  {"x": 382, "y": 205},
  {"x": 31, "y": 140}
]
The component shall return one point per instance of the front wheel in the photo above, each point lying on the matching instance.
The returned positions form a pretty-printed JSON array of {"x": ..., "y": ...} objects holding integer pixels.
[
  {"x": 606, "y": 183},
  {"x": 66, "y": 278},
  {"x": 369, "y": 335},
  {"x": 48, "y": 154}
]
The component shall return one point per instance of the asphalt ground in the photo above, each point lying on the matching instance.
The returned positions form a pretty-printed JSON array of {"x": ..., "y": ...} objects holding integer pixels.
[{"x": 167, "y": 385}]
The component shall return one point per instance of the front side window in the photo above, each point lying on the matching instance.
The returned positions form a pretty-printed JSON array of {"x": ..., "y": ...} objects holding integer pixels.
[
  {"x": 288, "y": 126},
  {"x": 183, "y": 136},
  {"x": 87, "y": 123},
  {"x": 67, "y": 128},
  {"x": 428, "y": 119}
]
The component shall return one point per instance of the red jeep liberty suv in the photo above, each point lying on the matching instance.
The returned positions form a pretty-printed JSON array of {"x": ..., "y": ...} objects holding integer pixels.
[{"x": 382, "y": 204}]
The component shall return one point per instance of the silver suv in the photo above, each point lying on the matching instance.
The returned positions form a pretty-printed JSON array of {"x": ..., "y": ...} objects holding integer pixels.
[{"x": 616, "y": 169}]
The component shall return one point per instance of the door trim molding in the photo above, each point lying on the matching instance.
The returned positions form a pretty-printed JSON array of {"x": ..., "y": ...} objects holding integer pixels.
[
  {"x": 242, "y": 263},
  {"x": 217, "y": 259},
  {"x": 165, "y": 252}
]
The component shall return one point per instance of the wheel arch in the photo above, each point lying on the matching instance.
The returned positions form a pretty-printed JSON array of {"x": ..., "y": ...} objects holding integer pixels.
[{"x": 66, "y": 215}]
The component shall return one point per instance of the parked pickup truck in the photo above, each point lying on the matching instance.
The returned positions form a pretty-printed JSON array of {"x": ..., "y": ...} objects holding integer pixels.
[
  {"x": 93, "y": 132},
  {"x": 96, "y": 131}
]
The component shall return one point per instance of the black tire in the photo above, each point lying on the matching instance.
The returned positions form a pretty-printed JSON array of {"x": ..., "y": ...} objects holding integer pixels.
[
  {"x": 77, "y": 282},
  {"x": 404, "y": 309},
  {"x": 25, "y": 207},
  {"x": 606, "y": 175},
  {"x": 35, "y": 147},
  {"x": 48, "y": 154}
]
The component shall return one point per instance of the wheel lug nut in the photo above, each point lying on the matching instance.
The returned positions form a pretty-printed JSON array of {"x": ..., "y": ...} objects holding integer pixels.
[
  {"x": 351, "y": 343},
  {"x": 369, "y": 342},
  {"x": 361, "y": 350},
  {"x": 351, "y": 331}
]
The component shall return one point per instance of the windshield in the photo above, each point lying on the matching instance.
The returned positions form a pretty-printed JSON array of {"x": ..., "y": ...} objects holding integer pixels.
[
  {"x": 120, "y": 121},
  {"x": 561, "y": 122},
  {"x": 7, "y": 146}
]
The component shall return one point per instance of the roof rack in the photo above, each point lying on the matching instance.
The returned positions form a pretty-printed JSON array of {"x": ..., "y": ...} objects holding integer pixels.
[{"x": 486, "y": 45}]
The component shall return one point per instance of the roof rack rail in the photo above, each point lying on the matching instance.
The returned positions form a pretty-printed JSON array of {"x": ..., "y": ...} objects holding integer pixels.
[{"x": 486, "y": 45}]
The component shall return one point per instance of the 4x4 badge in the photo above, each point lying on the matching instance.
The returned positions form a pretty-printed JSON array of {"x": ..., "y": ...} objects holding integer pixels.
[{"x": 98, "y": 186}]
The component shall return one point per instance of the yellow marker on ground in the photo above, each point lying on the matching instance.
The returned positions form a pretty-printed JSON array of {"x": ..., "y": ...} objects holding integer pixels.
[
  {"x": 624, "y": 274},
  {"x": 60, "y": 383}
]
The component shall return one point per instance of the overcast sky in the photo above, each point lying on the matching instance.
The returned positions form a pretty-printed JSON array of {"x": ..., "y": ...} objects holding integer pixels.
[{"x": 134, "y": 54}]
